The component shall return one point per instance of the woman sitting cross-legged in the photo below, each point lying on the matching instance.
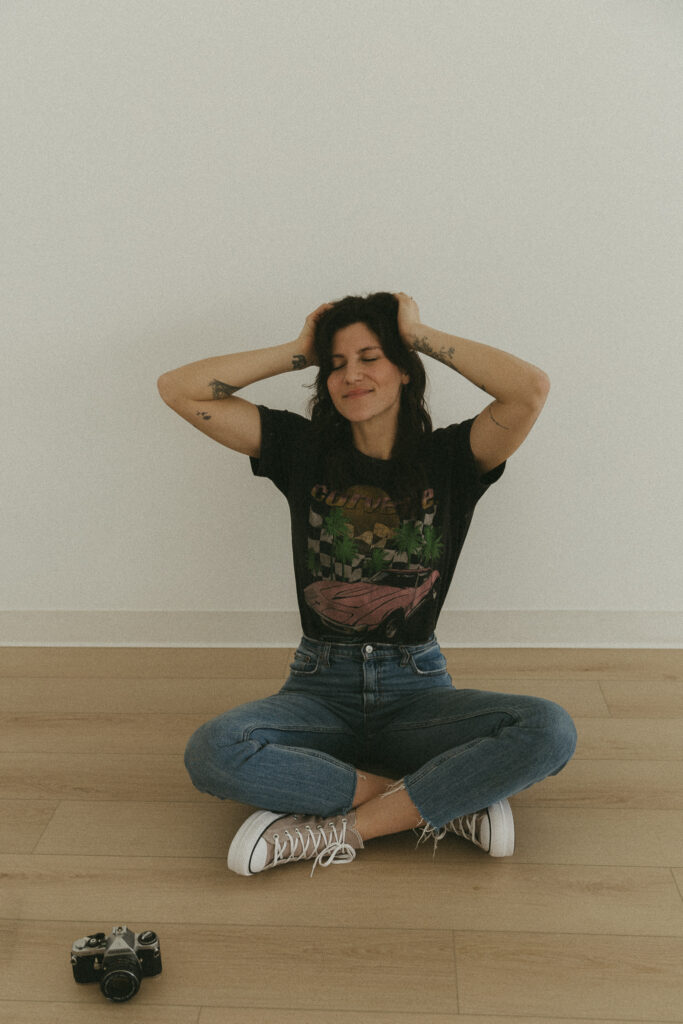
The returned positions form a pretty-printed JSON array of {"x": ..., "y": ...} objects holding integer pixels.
[{"x": 368, "y": 736}]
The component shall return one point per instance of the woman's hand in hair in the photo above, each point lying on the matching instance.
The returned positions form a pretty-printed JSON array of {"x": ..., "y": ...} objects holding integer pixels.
[
  {"x": 305, "y": 340},
  {"x": 408, "y": 317}
]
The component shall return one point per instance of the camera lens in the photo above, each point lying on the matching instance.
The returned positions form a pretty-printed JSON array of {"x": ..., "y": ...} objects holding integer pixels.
[
  {"x": 120, "y": 986},
  {"x": 122, "y": 979}
]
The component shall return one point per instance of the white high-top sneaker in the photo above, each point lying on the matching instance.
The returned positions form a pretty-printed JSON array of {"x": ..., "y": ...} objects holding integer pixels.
[
  {"x": 492, "y": 829},
  {"x": 267, "y": 839}
]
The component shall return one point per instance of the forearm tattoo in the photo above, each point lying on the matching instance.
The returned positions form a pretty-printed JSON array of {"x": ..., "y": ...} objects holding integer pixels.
[
  {"x": 299, "y": 363},
  {"x": 444, "y": 355}
]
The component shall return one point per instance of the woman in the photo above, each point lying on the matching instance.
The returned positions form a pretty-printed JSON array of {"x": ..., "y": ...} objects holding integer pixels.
[{"x": 368, "y": 736}]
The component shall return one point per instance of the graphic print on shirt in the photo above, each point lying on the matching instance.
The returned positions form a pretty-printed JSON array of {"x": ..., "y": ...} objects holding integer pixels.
[{"x": 372, "y": 569}]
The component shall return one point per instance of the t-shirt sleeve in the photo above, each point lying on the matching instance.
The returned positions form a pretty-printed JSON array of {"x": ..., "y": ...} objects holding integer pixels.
[
  {"x": 283, "y": 436},
  {"x": 457, "y": 450}
]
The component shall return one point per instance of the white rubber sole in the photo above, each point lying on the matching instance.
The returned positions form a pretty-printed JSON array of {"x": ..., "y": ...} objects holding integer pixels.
[
  {"x": 502, "y": 829},
  {"x": 244, "y": 842}
]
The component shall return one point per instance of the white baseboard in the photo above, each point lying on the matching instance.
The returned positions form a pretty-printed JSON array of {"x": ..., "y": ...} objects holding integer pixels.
[{"x": 611, "y": 629}]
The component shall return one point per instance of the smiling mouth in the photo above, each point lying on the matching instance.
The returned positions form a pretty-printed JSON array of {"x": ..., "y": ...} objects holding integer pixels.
[{"x": 358, "y": 393}]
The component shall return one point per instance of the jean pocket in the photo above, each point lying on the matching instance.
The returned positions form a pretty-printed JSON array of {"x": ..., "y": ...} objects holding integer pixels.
[
  {"x": 430, "y": 662},
  {"x": 304, "y": 664}
]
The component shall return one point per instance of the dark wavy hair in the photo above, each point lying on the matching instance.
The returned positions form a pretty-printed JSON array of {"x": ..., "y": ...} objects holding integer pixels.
[{"x": 379, "y": 312}]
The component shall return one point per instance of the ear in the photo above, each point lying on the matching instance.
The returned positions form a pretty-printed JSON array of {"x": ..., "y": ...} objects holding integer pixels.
[{"x": 405, "y": 378}]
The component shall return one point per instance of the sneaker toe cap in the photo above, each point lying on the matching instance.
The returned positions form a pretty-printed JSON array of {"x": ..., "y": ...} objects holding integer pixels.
[{"x": 258, "y": 858}]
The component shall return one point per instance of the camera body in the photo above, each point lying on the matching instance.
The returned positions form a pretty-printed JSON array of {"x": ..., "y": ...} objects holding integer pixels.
[{"x": 118, "y": 961}]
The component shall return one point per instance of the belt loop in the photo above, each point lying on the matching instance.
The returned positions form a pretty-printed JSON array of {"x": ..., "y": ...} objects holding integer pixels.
[
  {"x": 405, "y": 655},
  {"x": 325, "y": 654}
]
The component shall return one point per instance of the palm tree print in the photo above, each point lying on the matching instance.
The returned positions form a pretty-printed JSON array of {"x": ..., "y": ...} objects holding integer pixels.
[
  {"x": 345, "y": 551},
  {"x": 408, "y": 538},
  {"x": 336, "y": 525},
  {"x": 377, "y": 561},
  {"x": 339, "y": 529},
  {"x": 433, "y": 546}
]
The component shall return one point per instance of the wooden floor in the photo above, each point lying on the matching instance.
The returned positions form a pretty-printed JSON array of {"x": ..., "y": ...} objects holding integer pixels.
[{"x": 99, "y": 825}]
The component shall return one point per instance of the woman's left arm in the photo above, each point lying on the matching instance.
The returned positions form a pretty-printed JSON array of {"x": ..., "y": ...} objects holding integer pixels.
[{"x": 519, "y": 388}]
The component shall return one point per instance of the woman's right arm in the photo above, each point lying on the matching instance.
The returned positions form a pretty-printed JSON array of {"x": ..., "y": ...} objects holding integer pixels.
[{"x": 203, "y": 393}]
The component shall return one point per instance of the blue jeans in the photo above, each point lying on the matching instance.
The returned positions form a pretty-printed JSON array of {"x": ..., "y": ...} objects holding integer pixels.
[{"x": 387, "y": 709}]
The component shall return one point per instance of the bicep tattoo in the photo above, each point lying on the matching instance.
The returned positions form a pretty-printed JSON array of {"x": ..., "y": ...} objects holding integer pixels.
[{"x": 502, "y": 425}]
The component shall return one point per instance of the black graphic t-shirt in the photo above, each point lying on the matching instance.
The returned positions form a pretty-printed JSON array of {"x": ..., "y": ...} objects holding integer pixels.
[{"x": 363, "y": 572}]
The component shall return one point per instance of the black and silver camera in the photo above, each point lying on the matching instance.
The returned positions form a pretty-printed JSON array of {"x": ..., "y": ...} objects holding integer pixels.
[{"x": 118, "y": 961}]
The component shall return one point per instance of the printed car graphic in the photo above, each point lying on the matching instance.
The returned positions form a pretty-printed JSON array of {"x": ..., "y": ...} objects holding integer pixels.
[{"x": 382, "y": 603}]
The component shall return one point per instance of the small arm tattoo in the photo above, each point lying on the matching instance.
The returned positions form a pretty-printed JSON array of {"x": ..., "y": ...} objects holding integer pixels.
[
  {"x": 204, "y": 415},
  {"x": 221, "y": 390},
  {"x": 444, "y": 355},
  {"x": 299, "y": 362},
  {"x": 496, "y": 421}
]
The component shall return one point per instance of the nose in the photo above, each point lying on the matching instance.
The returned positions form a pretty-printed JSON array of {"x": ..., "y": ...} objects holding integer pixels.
[{"x": 353, "y": 372}]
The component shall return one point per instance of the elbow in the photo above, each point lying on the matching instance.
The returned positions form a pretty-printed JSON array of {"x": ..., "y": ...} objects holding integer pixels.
[
  {"x": 164, "y": 387},
  {"x": 540, "y": 387}
]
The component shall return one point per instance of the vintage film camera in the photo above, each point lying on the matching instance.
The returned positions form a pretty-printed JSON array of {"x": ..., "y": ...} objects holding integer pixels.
[{"x": 118, "y": 961}]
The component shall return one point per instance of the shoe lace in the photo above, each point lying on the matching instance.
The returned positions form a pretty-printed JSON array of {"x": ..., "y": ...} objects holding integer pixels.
[
  {"x": 314, "y": 842},
  {"x": 465, "y": 827},
  {"x": 425, "y": 832}
]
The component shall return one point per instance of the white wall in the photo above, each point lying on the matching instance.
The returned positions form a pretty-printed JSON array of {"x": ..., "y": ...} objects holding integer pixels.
[{"x": 184, "y": 179}]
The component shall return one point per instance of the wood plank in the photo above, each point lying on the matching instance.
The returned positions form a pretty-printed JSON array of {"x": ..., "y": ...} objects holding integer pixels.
[
  {"x": 650, "y": 785},
  {"x": 84, "y": 777},
  {"x": 678, "y": 878},
  {"x": 565, "y": 663},
  {"x": 207, "y": 697},
  {"x": 644, "y": 698},
  {"x": 566, "y": 835},
  {"x": 459, "y": 883},
  {"x": 54, "y": 732},
  {"x": 137, "y": 1012},
  {"x": 143, "y": 662},
  {"x": 22, "y": 823},
  {"x": 355, "y": 969},
  {"x": 147, "y": 829},
  {"x": 550, "y": 976},
  {"x": 223, "y": 1015},
  {"x": 544, "y": 835},
  {"x": 642, "y": 739}
]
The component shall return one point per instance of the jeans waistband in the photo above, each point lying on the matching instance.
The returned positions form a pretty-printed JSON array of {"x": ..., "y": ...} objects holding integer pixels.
[{"x": 365, "y": 651}]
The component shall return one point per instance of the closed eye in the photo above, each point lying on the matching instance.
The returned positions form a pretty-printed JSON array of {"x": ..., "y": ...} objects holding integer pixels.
[{"x": 365, "y": 359}]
